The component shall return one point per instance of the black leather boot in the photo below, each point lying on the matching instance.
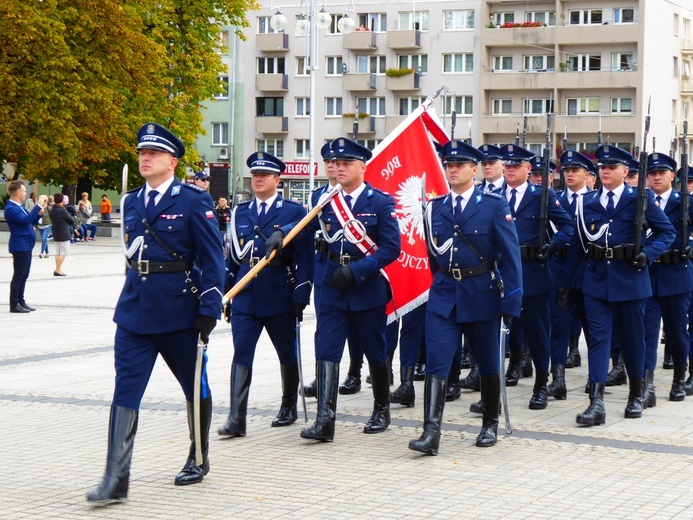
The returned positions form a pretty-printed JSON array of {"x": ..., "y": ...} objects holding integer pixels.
[
  {"x": 617, "y": 376},
  {"x": 478, "y": 407},
  {"x": 240, "y": 388},
  {"x": 405, "y": 395},
  {"x": 328, "y": 381},
  {"x": 454, "y": 392},
  {"x": 420, "y": 367},
  {"x": 557, "y": 389},
  {"x": 490, "y": 402},
  {"x": 122, "y": 427},
  {"x": 311, "y": 390},
  {"x": 574, "y": 359},
  {"x": 352, "y": 383},
  {"x": 649, "y": 397},
  {"x": 668, "y": 362},
  {"x": 678, "y": 385},
  {"x": 287, "y": 412},
  {"x": 689, "y": 382},
  {"x": 472, "y": 381},
  {"x": 191, "y": 472},
  {"x": 634, "y": 406},
  {"x": 390, "y": 357},
  {"x": 540, "y": 398},
  {"x": 380, "y": 419},
  {"x": 434, "y": 404},
  {"x": 527, "y": 367},
  {"x": 595, "y": 413},
  {"x": 512, "y": 374},
  {"x": 466, "y": 361}
]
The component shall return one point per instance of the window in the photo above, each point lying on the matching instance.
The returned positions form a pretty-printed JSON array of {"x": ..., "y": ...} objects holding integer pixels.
[
  {"x": 263, "y": 25},
  {"x": 502, "y": 106},
  {"x": 676, "y": 67},
  {"x": 369, "y": 143},
  {"x": 624, "y": 15},
  {"x": 685, "y": 69},
  {"x": 461, "y": 105},
  {"x": 540, "y": 63},
  {"x": 270, "y": 65},
  {"x": 370, "y": 64},
  {"x": 621, "y": 105},
  {"x": 299, "y": 191},
  {"x": 458, "y": 20},
  {"x": 333, "y": 106},
  {"x": 676, "y": 24},
  {"x": 374, "y": 106},
  {"x": 302, "y": 66},
  {"x": 622, "y": 61},
  {"x": 224, "y": 81},
  {"x": 376, "y": 22},
  {"x": 406, "y": 105},
  {"x": 458, "y": 62},
  {"x": 588, "y": 148},
  {"x": 270, "y": 106},
  {"x": 501, "y": 63},
  {"x": 585, "y": 17},
  {"x": 537, "y": 106},
  {"x": 302, "y": 107},
  {"x": 302, "y": 149},
  {"x": 417, "y": 20},
  {"x": 684, "y": 110},
  {"x": 578, "y": 106},
  {"x": 223, "y": 42},
  {"x": 220, "y": 134},
  {"x": 273, "y": 146},
  {"x": 584, "y": 62},
  {"x": 418, "y": 62},
  {"x": 536, "y": 148},
  {"x": 334, "y": 66},
  {"x": 546, "y": 17},
  {"x": 502, "y": 18},
  {"x": 334, "y": 24},
  {"x": 674, "y": 109}
]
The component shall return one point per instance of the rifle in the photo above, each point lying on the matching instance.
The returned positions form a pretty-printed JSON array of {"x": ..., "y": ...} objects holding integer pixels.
[
  {"x": 452, "y": 125},
  {"x": 517, "y": 135},
  {"x": 469, "y": 140},
  {"x": 565, "y": 147},
  {"x": 685, "y": 198},
  {"x": 675, "y": 143},
  {"x": 599, "y": 132},
  {"x": 524, "y": 133},
  {"x": 641, "y": 202},
  {"x": 356, "y": 126},
  {"x": 544, "y": 204}
]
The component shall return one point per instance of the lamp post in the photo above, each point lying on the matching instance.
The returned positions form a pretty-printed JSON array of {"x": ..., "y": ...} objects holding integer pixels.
[{"x": 306, "y": 26}]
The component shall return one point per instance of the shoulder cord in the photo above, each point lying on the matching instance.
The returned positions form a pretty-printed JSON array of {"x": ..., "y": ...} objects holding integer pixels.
[
  {"x": 580, "y": 218},
  {"x": 240, "y": 253}
]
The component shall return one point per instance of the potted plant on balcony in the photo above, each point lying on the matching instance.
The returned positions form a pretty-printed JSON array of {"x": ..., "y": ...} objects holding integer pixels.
[
  {"x": 352, "y": 115},
  {"x": 398, "y": 73}
]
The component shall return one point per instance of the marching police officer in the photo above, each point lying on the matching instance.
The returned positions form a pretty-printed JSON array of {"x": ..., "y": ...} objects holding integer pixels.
[
  {"x": 170, "y": 298},
  {"x": 492, "y": 169},
  {"x": 275, "y": 298},
  {"x": 616, "y": 282},
  {"x": 468, "y": 231},
  {"x": 362, "y": 233}
]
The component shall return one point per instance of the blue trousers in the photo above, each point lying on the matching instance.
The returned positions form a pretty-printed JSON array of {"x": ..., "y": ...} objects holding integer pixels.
[
  {"x": 367, "y": 328},
  {"x": 45, "y": 232},
  {"x": 21, "y": 262},
  {"x": 674, "y": 311},
  {"x": 411, "y": 336},
  {"x": 533, "y": 327},
  {"x": 135, "y": 355},
  {"x": 247, "y": 328}
]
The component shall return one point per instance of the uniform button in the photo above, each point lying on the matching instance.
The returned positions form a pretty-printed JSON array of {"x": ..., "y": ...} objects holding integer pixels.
[
  {"x": 185, "y": 291},
  {"x": 611, "y": 220},
  {"x": 476, "y": 231},
  {"x": 170, "y": 227},
  {"x": 256, "y": 236},
  {"x": 608, "y": 262},
  {"x": 146, "y": 231},
  {"x": 610, "y": 234},
  {"x": 145, "y": 246},
  {"x": 144, "y": 278},
  {"x": 455, "y": 234},
  {"x": 455, "y": 249},
  {"x": 457, "y": 265},
  {"x": 255, "y": 249}
]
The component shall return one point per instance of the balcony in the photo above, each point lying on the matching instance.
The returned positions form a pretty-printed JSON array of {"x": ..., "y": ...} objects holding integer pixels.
[
  {"x": 358, "y": 82},
  {"x": 402, "y": 40},
  {"x": 686, "y": 86},
  {"x": 546, "y": 37},
  {"x": 359, "y": 41},
  {"x": 392, "y": 122},
  {"x": 611, "y": 124},
  {"x": 686, "y": 46},
  {"x": 272, "y": 82},
  {"x": 275, "y": 42},
  {"x": 539, "y": 79},
  {"x": 402, "y": 83},
  {"x": 366, "y": 125},
  {"x": 271, "y": 124}
]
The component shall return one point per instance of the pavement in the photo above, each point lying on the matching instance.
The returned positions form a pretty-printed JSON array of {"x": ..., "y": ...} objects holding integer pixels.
[{"x": 56, "y": 382}]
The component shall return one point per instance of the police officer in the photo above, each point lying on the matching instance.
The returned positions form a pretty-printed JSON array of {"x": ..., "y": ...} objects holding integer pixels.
[
  {"x": 492, "y": 169},
  {"x": 671, "y": 277},
  {"x": 616, "y": 282},
  {"x": 275, "y": 298},
  {"x": 524, "y": 199},
  {"x": 170, "y": 298},
  {"x": 362, "y": 233},
  {"x": 468, "y": 231},
  {"x": 202, "y": 180}
]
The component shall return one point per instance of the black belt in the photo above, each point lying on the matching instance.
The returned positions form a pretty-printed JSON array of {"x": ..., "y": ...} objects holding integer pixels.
[
  {"x": 254, "y": 260},
  {"x": 672, "y": 256},
  {"x": 621, "y": 252},
  {"x": 345, "y": 259},
  {"x": 150, "y": 267},
  {"x": 321, "y": 245},
  {"x": 467, "y": 272},
  {"x": 529, "y": 251},
  {"x": 563, "y": 252}
]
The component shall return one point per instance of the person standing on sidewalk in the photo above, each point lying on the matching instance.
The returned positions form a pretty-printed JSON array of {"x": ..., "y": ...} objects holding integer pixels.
[
  {"x": 62, "y": 223},
  {"x": 170, "y": 300},
  {"x": 22, "y": 241},
  {"x": 105, "y": 208}
]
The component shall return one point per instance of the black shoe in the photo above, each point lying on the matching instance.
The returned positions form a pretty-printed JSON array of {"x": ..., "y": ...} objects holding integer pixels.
[
  {"x": 617, "y": 376},
  {"x": 380, "y": 419},
  {"x": 490, "y": 404},
  {"x": 453, "y": 391},
  {"x": 574, "y": 359},
  {"x": 678, "y": 384},
  {"x": 434, "y": 404},
  {"x": 634, "y": 406},
  {"x": 328, "y": 381},
  {"x": 56, "y": 273},
  {"x": 465, "y": 362},
  {"x": 472, "y": 381},
  {"x": 311, "y": 390},
  {"x": 557, "y": 389},
  {"x": 27, "y": 307},
  {"x": 352, "y": 383},
  {"x": 512, "y": 374},
  {"x": 191, "y": 472},
  {"x": 595, "y": 413},
  {"x": 240, "y": 388},
  {"x": 19, "y": 309},
  {"x": 287, "y": 412},
  {"x": 688, "y": 386},
  {"x": 668, "y": 362},
  {"x": 649, "y": 397},
  {"x": 477, "y": 407},
  {"x": 527, "y": 368},
  {"x": 405, "y": 394},
  {"x": 540, "y": 398},
  {"x": 420, "y": 372},
  {"x": 587, "y": 386}
]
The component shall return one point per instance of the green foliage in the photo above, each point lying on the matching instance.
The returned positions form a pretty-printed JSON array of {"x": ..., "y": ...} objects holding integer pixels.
[
  {"x": 398, "y": 73},
  {"x": 352, "y": 115}
]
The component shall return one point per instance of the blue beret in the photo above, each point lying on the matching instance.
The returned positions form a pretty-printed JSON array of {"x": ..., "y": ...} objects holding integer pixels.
[
  {"x": 201, "y": 175},
  {"x": 345, "y": 148},
  {"x": 326, "y": 151},
  {"x": 633, "y": 167},
  {"x": 513, "y": 154},
  {"x": 537, "y": 163},
  {"x": 155, "y": 137},
  {"x": 575, "y": 159},
  {"x": 607, "y": 155},
  {"x": 660, "y": 161},
  {"x": 490, "y": 153},
  {"x": 265, "y": 162},
  {"x": 460, "y": 152}
]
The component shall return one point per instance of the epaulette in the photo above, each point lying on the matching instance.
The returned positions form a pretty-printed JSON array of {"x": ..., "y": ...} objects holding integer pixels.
[
  {"x": 439, "y": 197},
  {"x": 193, "y": 187},
  {"x": 244, "y": 202},
  {"x": 492, "y": 195},
  {"x": 380, "y": 191},
  {"x": 290, "y": 201},
  {"x": 134, "y": 190}
]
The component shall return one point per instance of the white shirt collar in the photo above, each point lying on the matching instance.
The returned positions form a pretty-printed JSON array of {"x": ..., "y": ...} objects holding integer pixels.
[
  {"x": 161, "y": 189},
  {"x": 269, "y": 202},
  {"x": 665, "y": 198},
  {"x": 570, "y": 192},
  {"x": 467, "y": 195},
  {"x": 356, "y": 193}
]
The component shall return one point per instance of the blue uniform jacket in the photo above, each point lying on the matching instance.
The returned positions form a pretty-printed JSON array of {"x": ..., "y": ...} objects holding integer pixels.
[
  {"x": 536, "y": 276},
  {"x": 320, "y": 257},
  {"x": 610, "y": 279},
  {"x": 273, "y": 290},
  {"x": 163, "y": 302},
  {"x": 557, "y": 262},
  {"x": 487, "y": 224},
  {"x": 671, "y": 279},
  {"x": 21, "y": 223}
]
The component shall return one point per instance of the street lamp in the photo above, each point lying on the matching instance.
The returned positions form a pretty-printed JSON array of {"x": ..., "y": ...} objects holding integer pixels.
[{"x": 307, "y": 24}]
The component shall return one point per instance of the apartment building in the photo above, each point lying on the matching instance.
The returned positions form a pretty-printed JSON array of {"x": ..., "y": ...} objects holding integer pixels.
[{"x": 594, "y": 65}]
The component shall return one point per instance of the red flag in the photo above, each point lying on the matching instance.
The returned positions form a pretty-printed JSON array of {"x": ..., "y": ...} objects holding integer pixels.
[{"x": 399, "y": 166}]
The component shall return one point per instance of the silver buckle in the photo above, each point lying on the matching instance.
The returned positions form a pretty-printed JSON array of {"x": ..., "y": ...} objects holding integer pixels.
[
  {"x": 143, "y": 267},
  {"x": 344, "y": 259},
  {"x": 609, "y": 252},
  {"x": 456, "y": 274},
  {"x": 254, "y": 260}
]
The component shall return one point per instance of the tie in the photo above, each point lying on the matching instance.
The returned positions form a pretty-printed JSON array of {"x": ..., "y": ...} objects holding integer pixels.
[
  {"x": 347, "y": 199},
  {"x": 151, "y": 206},
  {"x": 572, "y": 202},
  {"x": 263, "y": 212},
  {"x": 458, "y": 209},
  {"x": 610, "y": 203},
  {"x": 658, "y": 198},
  {"x": 512, "y": 201}
]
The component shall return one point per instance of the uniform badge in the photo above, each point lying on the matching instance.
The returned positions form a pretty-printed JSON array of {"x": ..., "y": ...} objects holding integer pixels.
[
  {"x": 328, "y": 227},
  {"x": 175, "y": 190},
  {"x": 435, "y": 240},
  {"x": 150, "y": 129},
  {"x": 593, "y": 227},
  {"x": 127, "y": 237},
  {"x": 241, "y": 241}
]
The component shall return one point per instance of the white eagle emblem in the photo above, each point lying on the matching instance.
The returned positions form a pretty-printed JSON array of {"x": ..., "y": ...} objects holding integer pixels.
[{"x": 409, "y": 208}]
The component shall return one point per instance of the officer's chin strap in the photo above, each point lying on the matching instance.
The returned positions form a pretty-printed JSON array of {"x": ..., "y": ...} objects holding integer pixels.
[
  {"x": 591, "y": 237},
  {"x": 240, "y": 253}
]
